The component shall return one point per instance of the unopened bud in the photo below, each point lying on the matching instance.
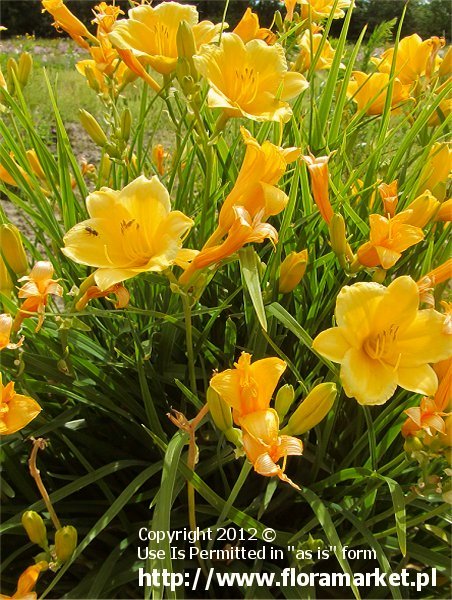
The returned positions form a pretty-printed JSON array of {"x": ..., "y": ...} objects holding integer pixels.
[
  {"x": 126, "y": 124},
  {"x": 24, "y": 68},
  {"x": 312, "y": 410},
  {"x": 284, "y": 400},
  {"x": 338, "y": 237},
  {"x": 279, "y": 22},
  {"x": 185, "y": 40},
  {"x": 34, "y": 526},
  {"x": 6, "y": 283},
  {"x": 234, "y": 436},
  {"x": 35, "y": 164},
  {"x": 65, "y": 542},
  {"x": 104, "y": 168},
  {"x": 91, "y": 79},
  {"x": 292, "y": 271},
  {"x": 12, "y": 249},
  {"x": 12, "y": 68},
  {"x": 412, "y": 445},
  {"x": 92, "y": 128},
  {"x": 219, "y": 410}
]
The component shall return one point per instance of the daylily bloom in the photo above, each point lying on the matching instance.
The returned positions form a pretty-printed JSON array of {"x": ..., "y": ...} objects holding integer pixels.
[
  {"x": 422, "y": 209},
  {"x": 388, "y": 239},
  {"x": 248, "y": 29},
  {"x": 118, "y": 290},
  {"x": 255, "y": 188},
  {"x": 369, "y": 92},
  {"x": 308, "y": 51},
  {"x": 130, "y": 231},
  {"x": 292, "y": 271},
  {"x": 388, "y": 193},
  {"x": 6, "y": 324},
  {"x": 320, "y": 9},
  {"x": 318, "y": 170},
  {"x": 249, "y": 80},
  {"x": 27, "y": 582},
  {"x": 244, "y": 230},
  {"x": 105, "y": 62},
  {"x": 16, "y": 411},
  {"x": 414, "y": 58},
  {"x": 437, "y": 171},
  {"x": 36, "y": 290},
  {"x": 150, "y": 33},
  {"x": 383, "y": 340},
  {"x": 67, "y": 21},
  {"x": 249, "y": 386},
  {"x": 264, "y": 447}
]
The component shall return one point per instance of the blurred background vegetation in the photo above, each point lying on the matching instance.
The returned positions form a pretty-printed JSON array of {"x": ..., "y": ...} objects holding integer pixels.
[{"x": 425, "y": 17}]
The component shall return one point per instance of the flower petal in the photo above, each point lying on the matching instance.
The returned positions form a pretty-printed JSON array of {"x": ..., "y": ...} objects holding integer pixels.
[
  {"x": 424, "y": 340},
  {"x": 367, "y": 380},
  {"x": 21, "y": 410},
  {"x": 421, "y": 379},
  {"x": 267, "y": 373},
  {"x": 331, "y": 344},
  {"x": 355, "y": 310}
]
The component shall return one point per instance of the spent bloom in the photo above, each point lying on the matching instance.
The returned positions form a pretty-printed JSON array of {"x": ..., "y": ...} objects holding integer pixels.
[
  {"x": 249, "y": 80},
  {"x": 27, "y": 582},
  {"x": 66, "y": 20},
  {"x": 6, "y": 324},
  {"x": 369, "y": 92},
  {"x": 388, "y": 238},
  {"x": 382, "y": 340},
  {"x": 129, "y": 231},
  {"x": 318, "y": 171},
  {"x": 16, "y": 411},
  {"x": 150, "y": 33},
  {"x": 265, "y": 447},
  {"x": 248, "y": 387},
  {"x": 37, "y": 288}
]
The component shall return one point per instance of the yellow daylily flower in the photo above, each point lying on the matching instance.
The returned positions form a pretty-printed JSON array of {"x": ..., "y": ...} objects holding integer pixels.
[
  {"x": 308, "y": 52},
  {"x": 265, "y": 447},
  {"x": 383, "y": 340},
  {"x": 130, "y": 231},
  {"x": 437, "y": 170},
  {"x": 249, "y": 386},
  {"x": 150, "y": 33},
  {"x": 292, "y": 271},
  {"x": 369, "y": 92},
  {"x": 16, "y": 411},
  {"x": 321, "y": 9},
  {"x": 388, "y": 239},
  {"x": 255, "y": 188},
  {"x": 66, "y": 20},
  {"x": 27, "y": 582},
  {"x": 248, "y": 29},
  {"x": 249, "y": 80},
  {"x": 38, "y": 286},
  {"x": 318, "y": 171},
  {"x": 6, "y": 324},
  {"x": 414, "y": 58}
]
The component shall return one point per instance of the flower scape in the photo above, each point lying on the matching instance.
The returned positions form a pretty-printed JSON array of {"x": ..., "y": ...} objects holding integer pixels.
[{"x": 238, "y": 315}]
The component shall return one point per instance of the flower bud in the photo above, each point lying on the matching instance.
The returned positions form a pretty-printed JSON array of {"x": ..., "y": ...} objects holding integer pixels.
[
  {"x": 219, "y": 410},
  {"x": 36, "y": 530},
  {"x": 65, "y": 542},
  {"x": 185, "y": 40},
  {"x": 445, "y": 211},
  {"x": 12, "y": 249},
  {"x": 338, "y": 237},
  {"x": 12, "y": 68},
  {"x": 126, "y": 124},
  {"x": 234, "y": 436},
  {"x": 292, "y": 271},
  {"x": 92, "y": 128},
  {"x": 312, "y": 410},
  {"x": 24, "y": 68},
  {"x": 91, "y": 79},
  {"x": 284, "y": 400},
  {"x": 6, "y": 283},
  {"x": 423, "y": 207},
  {"x": 35, "y": 164},
  {"x": 105, "y": 168}
]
